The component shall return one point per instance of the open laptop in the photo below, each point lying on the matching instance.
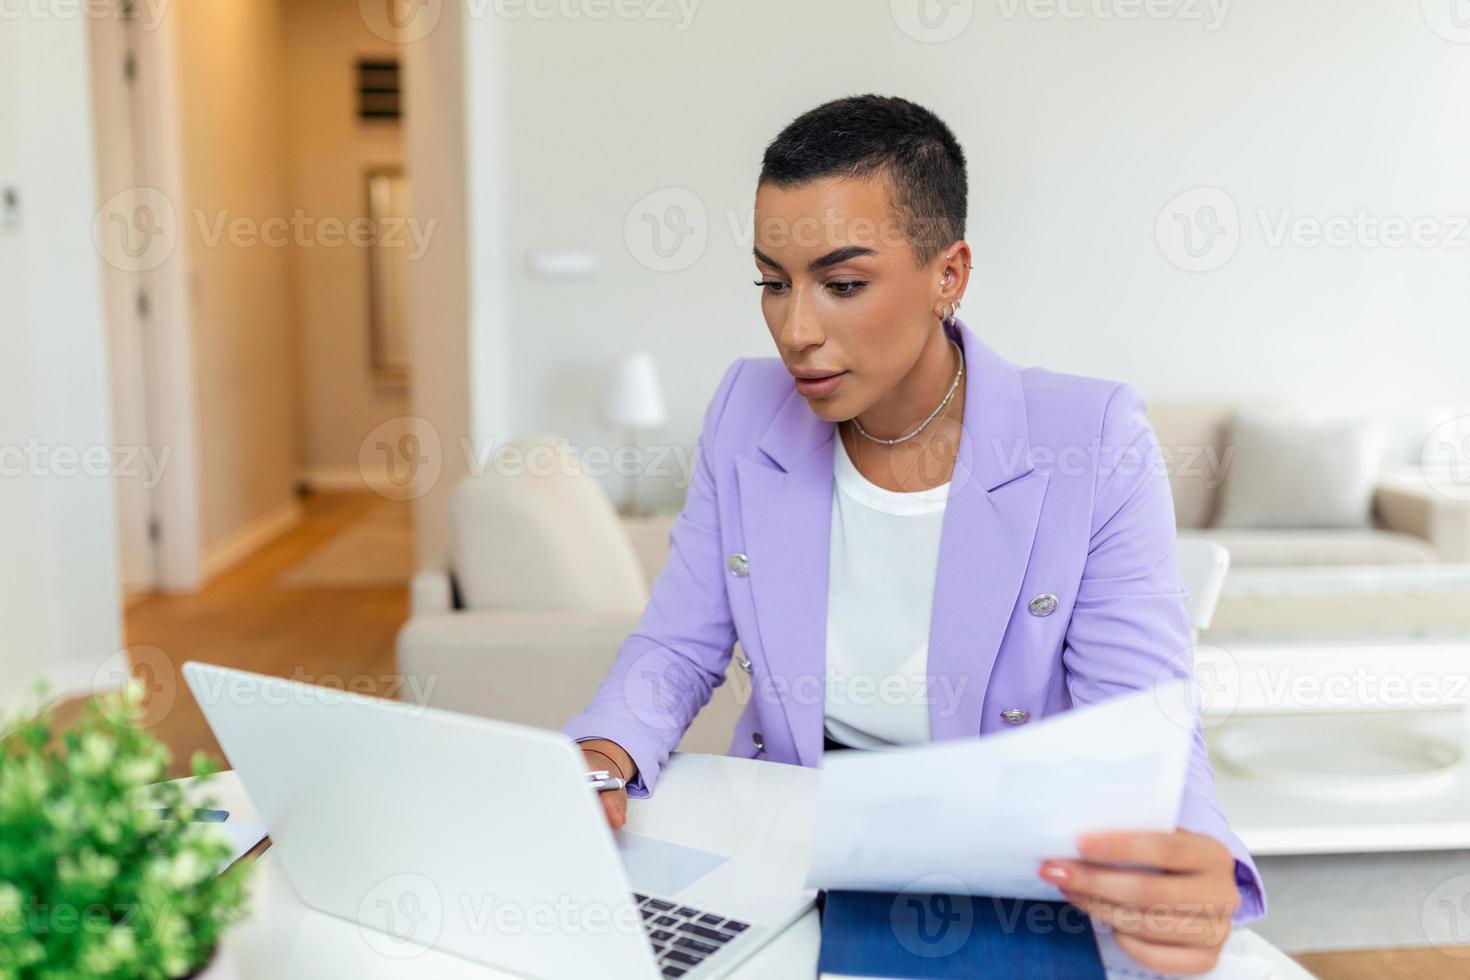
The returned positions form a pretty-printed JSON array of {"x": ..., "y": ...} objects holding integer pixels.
[{"x": 476, "y": 837}]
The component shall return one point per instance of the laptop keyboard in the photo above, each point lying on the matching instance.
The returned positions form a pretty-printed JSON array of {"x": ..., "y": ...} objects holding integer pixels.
[{"x": 683, "y": 936}]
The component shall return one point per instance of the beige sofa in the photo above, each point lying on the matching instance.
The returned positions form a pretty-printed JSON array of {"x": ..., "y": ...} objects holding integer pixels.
[
  {"x": 1411, "y": 522},
  {"x": 545, "y": 580}
]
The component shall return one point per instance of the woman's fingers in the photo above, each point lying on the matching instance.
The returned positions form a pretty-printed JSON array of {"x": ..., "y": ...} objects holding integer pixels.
[
  {"x": 1169, "y": 959},
  {"x": 1169, "y": 898},
  {"x": 600, "y": 756},
  {"x": 1139, "y": 889},
  {"x": 1173, "y": 851},
  {"x": 615, "y": 805},
  {"x": 1165, "y": 925}
]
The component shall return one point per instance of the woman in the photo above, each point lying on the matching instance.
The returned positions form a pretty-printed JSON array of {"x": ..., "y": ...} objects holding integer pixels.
[{"x": 911, "y": 538}]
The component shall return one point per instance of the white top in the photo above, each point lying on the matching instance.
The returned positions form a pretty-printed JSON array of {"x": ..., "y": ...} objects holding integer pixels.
[{"x": 882, "y": 564}]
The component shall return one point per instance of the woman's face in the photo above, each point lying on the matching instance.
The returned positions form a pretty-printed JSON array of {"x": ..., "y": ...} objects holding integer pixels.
[{"x": 842, "y": 295}]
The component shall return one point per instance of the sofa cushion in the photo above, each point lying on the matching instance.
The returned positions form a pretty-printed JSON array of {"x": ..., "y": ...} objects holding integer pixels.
[
  {"x": 1192, "y": 438},
  {"x": 1315, "y": 546},
  {"x": 536, "y": 531},
  {"x": 1296, "y": 473}
]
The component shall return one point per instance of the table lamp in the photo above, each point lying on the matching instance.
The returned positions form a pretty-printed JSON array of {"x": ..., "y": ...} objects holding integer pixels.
[{"x": 635, "y": 403}]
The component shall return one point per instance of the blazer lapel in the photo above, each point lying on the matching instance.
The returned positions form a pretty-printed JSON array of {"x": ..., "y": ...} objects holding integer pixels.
[
  {"x": 990, "y": 520},
  {"x": 786, "y": 514}
]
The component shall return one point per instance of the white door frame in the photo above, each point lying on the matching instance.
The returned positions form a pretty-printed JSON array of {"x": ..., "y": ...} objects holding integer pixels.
[{"x": 155, "y": 142}]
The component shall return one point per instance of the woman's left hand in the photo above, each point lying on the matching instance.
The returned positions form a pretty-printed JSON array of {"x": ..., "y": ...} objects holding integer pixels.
[{"x": 1172, "y": 918}]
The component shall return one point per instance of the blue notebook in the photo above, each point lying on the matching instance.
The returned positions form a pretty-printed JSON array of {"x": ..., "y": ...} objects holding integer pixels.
[{"x": 904, "y": 935}]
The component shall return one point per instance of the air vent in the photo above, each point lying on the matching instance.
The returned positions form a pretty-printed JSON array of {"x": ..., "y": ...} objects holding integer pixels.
[{"x": 378, "y": 93}]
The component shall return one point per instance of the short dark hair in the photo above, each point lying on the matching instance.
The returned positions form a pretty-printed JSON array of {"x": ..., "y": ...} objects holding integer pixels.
[{"x": 861, "y": 135}]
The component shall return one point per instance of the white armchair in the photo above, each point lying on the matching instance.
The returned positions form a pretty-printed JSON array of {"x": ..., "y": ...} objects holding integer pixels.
[
  {"x": 1203, "y": 566},
  {"x": 542, "y": 583}
]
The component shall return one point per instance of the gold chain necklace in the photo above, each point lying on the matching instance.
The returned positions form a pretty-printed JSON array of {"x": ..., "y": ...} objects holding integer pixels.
[
  {"x": 940, "y": 415},
  {"x": 858, "y": 450}
]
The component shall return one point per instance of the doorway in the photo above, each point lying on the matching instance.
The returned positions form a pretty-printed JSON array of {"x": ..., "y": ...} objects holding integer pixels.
[{"x": 124, "y": 233}]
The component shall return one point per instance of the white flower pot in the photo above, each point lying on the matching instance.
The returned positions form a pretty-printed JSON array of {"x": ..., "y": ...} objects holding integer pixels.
[{"x": 221, "y": 967}]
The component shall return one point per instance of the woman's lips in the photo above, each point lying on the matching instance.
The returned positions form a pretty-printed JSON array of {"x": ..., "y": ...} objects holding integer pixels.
[{"x": 819, "y": 387}]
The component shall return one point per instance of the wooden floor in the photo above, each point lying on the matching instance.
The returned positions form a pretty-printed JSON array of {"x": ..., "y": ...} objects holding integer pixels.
[
  {"x": 1389, "y": 964},
  {"x": 345, "y": 636},
  {"x": 245, "y": 619}
]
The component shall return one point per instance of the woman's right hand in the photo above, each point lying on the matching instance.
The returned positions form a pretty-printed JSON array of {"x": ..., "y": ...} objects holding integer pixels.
[{"x": 601, "y": 754}]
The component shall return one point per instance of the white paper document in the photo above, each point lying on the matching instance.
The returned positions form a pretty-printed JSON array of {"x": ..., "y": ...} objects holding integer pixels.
[{"x": 978, "y": 816}]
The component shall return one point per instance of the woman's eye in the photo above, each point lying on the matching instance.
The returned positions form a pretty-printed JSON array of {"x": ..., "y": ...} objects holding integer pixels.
[
  {"x": 846, "y": 287},
  {"x": 773, "y": 286}
]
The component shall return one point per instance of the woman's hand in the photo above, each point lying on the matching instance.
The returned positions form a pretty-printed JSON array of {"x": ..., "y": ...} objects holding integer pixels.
[
  {"x": 1172, "y": 918},
  {"x": 602, "y": 754}
]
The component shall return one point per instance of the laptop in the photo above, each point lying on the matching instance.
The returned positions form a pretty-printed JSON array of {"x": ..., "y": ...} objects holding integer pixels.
[{"x": 479, "y": 838}]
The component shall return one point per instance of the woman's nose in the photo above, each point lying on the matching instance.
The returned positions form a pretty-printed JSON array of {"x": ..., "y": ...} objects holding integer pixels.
[{"x": 800, "y": 329}]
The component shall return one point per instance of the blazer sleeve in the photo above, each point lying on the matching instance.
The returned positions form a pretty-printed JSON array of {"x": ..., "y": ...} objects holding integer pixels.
[
  {"x": 668, "y": 668},
  {"x": 1129, "y": 628}
]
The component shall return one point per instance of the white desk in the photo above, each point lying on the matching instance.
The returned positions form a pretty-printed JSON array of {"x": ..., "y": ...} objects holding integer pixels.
[{"x": 710, "y": 802}]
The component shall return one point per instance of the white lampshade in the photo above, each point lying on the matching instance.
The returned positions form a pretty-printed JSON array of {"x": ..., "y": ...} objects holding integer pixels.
[{"x": 635, "y": 399}]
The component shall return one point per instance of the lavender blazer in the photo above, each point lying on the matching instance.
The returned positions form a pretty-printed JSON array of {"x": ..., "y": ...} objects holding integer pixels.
[{"x": 1054, "y": 492}]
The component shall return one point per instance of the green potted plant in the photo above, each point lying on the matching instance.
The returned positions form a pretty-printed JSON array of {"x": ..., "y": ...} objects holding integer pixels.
[{"x": 103, "y": 874}]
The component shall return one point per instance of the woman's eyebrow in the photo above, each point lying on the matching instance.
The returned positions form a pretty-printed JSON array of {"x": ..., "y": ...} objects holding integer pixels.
[{"x": 835, "y": 257}]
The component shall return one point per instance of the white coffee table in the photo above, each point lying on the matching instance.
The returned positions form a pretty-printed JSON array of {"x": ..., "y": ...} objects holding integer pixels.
[
  {"x": 1335, "y": 707},
  {"x": 703, "y": 800}
]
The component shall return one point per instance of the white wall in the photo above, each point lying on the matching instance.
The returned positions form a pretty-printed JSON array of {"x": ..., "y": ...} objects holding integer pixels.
[
  {"x": 59, "y": 593},
  {"x": 230, "y": 76},
  {"x": 328, "y": 151},
  {"x": 1079, "y": 132},
  {"x": 438, "y": 294}
]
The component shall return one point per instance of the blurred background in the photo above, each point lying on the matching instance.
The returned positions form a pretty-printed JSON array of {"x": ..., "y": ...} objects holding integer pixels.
[{"x": 295, "y": 292}]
